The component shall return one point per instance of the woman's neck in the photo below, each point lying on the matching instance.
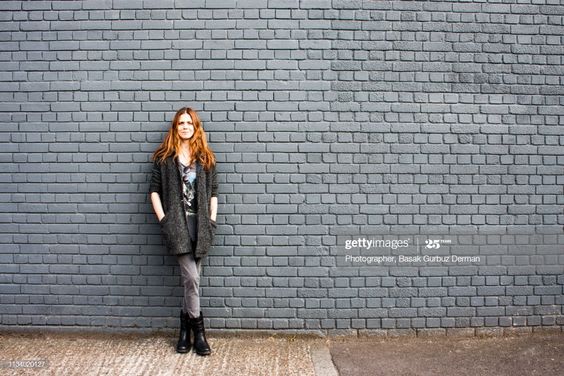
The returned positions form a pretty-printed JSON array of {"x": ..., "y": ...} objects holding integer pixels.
[{"x": 184, "y": 153}]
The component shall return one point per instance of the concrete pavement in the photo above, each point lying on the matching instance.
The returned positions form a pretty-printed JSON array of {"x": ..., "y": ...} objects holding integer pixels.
[
  {"x": 55, "y": 353},
  {"x": 38, "y": 352}
]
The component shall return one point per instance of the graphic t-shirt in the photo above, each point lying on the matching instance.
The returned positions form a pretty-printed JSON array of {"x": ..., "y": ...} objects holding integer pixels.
[
  {"x": 188, "y": 174},
  {"x": 189, "y": 198}
]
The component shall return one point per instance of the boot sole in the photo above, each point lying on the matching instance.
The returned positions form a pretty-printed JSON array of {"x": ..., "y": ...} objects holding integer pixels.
[{"x": 183, "y": 351}]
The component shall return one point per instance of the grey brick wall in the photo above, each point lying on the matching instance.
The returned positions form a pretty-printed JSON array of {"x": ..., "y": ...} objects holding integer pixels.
[{"x": 332, "y": 121}]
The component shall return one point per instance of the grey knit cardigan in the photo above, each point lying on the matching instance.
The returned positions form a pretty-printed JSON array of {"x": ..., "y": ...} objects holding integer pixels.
[{"x": 167, "y": 182}]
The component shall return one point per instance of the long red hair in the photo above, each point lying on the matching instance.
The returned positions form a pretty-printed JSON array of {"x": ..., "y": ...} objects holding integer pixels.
[{"x": 199, "y": 148}]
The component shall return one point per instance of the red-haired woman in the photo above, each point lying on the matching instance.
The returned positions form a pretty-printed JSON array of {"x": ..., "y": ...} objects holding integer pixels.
[{"x": 183, "y": 193}]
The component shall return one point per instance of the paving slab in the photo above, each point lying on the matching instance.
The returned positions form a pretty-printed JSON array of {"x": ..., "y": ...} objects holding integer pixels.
[{"x": 133, "y": 354}]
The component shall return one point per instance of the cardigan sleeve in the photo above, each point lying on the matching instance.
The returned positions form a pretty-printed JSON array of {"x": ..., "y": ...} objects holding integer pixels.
[
  {"x": 155, "y": 185},
  {"x": 214, "y": 184}
]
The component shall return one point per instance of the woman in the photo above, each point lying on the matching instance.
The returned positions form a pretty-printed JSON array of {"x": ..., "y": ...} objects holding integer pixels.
[{"x": 183, "y": 193}]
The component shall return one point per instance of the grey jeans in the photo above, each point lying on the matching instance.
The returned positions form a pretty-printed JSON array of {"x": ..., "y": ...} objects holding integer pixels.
[{"x": 190, "y": 270}]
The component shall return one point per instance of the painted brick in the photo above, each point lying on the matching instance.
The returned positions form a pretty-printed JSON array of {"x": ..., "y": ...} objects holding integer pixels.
[{"x": 329, "y": 126}]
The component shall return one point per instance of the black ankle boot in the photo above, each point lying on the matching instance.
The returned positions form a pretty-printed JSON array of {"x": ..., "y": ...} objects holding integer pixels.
[
  {"x": 184, "y": 345},
  {"x": 200, "y": 343}
]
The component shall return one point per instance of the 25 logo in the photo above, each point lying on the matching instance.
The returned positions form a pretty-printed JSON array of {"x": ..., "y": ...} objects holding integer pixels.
[
  {"x": 432, "y": 244},
  {"x": 436, "y": 243}
]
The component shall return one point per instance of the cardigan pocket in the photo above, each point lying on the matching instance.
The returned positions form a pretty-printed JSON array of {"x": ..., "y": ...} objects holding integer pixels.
[
  {"x": 165, "y": 230},
  {"x": 163, "y": 219}
]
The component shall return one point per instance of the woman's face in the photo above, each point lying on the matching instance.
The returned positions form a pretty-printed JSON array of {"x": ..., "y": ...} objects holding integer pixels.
[{"x": 185, "y": 127}]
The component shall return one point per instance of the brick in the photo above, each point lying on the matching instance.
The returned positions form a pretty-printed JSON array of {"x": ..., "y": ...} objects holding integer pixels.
[{"x": 323, "y": 124}]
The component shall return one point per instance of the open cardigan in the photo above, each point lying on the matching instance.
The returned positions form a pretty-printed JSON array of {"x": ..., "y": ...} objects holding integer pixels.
[{"x": 167, "y": 182}]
